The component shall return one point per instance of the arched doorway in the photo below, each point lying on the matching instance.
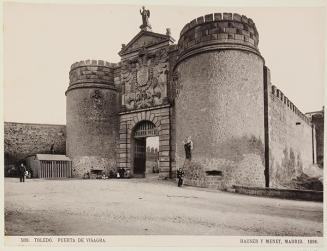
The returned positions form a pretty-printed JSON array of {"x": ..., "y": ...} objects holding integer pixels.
[{"x": 142, "y": 131}]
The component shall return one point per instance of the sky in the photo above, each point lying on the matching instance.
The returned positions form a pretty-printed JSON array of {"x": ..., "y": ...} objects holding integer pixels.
[{"x": 42, "y": 41}]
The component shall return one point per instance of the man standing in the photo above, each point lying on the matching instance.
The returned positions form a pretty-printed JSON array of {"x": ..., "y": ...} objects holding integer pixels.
[
  {"x": 180, "y": 175},
  {"x": 52, "y": 149},
  {"x": 22, "y": 172}
]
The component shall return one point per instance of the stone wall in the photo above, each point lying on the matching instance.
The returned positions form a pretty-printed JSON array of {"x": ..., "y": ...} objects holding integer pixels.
[
  {"x": 317, "y": 119},
  {"x": 117, "y": 80},
  {"x": 151, "y": 153},
  {"x": 222, "y": 29},
  {"x": 92, "y": 116},
  {"x": 290, "y": 146},
  {"x": 290, "y": 194},
  {"x": 172, "y": 91},
  {"x": 220, "y": 105},
  {"x": 96, "y": 71},
  {"x": 218, "y": 82},
  {"x": 23, "y": 139},
  {"x": 160, "y": 117}
]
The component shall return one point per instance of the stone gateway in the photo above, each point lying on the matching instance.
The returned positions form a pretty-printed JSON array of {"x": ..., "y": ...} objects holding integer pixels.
[{"x": 212, "y": 87}]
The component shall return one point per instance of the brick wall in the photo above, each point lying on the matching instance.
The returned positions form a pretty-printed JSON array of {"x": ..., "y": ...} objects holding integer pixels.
[
  {"x": 290, "y": 134},
  {"x": 23, "y": 139}
]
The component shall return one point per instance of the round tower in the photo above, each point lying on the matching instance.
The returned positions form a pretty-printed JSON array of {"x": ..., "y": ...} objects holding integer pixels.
[
  {"x": 92, "y": 116},
  {"x": 220, "y": 101}
]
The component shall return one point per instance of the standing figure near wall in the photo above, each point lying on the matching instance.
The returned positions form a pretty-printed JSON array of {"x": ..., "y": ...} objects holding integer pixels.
[
  {"x": 188, "y": 146},
  {"x": 22, "y": 172},
  {"x": 180, "y": 175},
  {"x": 52, "y": 149}
]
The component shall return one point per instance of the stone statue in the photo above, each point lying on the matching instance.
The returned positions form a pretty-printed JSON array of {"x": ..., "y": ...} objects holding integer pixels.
[
  {"x": 145, "y": 19},
  {"x": 168, "y": 32},
  {"x": 188, "y": 146}
]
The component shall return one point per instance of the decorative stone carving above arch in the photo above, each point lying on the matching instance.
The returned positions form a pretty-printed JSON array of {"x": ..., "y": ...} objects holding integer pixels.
[{"x": 145, "y": 79}]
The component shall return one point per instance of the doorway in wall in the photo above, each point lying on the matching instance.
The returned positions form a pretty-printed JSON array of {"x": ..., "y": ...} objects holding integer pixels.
[
  {"x": 146, "y": 150},
  {"x": 152, "y": 156}
]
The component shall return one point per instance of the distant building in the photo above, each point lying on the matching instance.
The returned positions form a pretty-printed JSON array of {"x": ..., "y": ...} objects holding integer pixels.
[{"x": 317, "y": 120}]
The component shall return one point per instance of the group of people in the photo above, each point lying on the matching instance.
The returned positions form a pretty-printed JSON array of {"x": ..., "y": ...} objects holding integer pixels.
[{"x": 121, "y": 173}]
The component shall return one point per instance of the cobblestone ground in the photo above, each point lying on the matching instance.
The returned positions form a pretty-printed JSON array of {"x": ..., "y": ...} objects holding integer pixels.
[{"x": 149, "y": 206}]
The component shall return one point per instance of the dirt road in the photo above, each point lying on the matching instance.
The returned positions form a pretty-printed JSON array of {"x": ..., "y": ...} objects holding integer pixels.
[{"x": 149, "y": 206}]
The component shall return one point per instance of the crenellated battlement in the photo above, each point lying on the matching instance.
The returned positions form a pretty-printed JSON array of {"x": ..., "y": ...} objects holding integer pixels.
[
  {"x": 89, "y": 62},
  {"x": 229, "y": 30},
  {"x": 92, "y": 72},
  {"x": 282, "y": 98}
]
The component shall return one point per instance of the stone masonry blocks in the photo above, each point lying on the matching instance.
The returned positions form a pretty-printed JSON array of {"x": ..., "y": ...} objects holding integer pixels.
[
  {"x": 22, "y": 140},
  {"x": 92, "y": 70},
  {"x": 160, "y": 117},
  {"x": 275, "y": 92},
  {"x": 217, "y": 27},
  {"x": 236, "y": 151},
  {"x": 90, "y": 124}
]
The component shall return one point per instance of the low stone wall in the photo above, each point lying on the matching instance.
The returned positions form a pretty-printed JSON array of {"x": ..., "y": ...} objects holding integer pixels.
[
  {"x": 24, "y": 139},
  {"x": 84, "y": 164},
  {"x": 308, "y": 195},
  {"x": 212, "y": 182},
  {"x": 196, "y": 175}
]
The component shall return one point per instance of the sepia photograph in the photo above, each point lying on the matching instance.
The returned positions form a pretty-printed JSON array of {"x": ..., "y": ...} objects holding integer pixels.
[{"x": 163, "y": 120}]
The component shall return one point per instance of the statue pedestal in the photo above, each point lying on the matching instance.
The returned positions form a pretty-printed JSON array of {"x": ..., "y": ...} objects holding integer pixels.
[{"x": 146, "y": 27}]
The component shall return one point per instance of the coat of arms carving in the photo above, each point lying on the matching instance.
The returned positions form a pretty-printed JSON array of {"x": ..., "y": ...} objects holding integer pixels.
[
  {"x": 144, "y": 75},
  {"x": 145, "y": 79},
  {"x": 98, "y": 104}
]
